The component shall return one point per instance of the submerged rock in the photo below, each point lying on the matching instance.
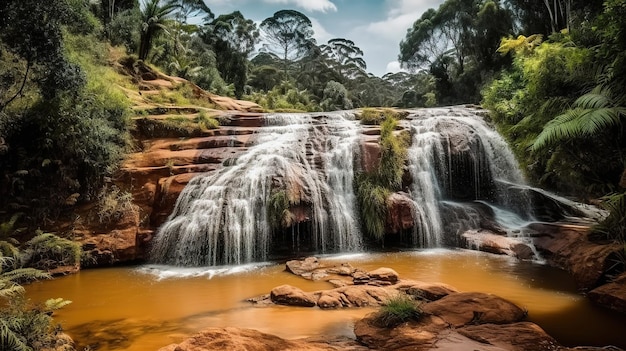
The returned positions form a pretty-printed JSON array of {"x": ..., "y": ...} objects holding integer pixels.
[{"x": 611, "y": 295}]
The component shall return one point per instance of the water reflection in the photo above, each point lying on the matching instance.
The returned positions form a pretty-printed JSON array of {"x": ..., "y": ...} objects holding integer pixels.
[{"x": 152, "y": 306}]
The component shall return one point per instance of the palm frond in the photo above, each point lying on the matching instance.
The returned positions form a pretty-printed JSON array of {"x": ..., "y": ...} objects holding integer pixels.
[
  {"x": 9, "y": 339},
  {"x": 590, "y": 114}
]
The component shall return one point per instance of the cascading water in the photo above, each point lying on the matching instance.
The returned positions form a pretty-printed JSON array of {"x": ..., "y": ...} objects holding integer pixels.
[
  {"x": 455, "y": 159},
  {"x": 222, "y": 218}
]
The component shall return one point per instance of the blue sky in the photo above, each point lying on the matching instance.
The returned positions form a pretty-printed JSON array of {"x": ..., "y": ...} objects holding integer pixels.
[{"x": 376, "y": 26}]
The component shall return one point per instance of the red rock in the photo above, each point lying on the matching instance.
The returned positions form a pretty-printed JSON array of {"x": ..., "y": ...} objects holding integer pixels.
[
  {"x": 611, "y": 295},
  {"x": 399, "y": 213},
  {"x": 239, "y": 339},
  {"x": 461, "y": 309},
  {"x": 487, "y": 241},
  {"x": 426, "y": 291},
  {"x": 292, "y": 296},
  {"x": 523, "y": 336},
  {"x": 384, "y": 274}
]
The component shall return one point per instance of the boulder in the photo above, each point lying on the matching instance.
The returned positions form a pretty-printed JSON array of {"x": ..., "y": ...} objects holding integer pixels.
[
  {"x": 426, "y": 291},
  {"x": 487, "y": 241},
  {"x": 384, "y": 275},
  {"x": 239, "y": 339},
  {"x": 465, "y": 308},
  {"x": 567, "y": 246},
  {"x": 611, "y": 295},
  {"x": 400, "y": 209},
  {"x": 292, "y": 296},
  {"x": 303, "y": 268},
  {"x": 522, "y": 336}
]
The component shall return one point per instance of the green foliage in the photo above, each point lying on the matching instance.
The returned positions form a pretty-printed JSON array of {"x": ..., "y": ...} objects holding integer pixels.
[
  {"x": 372, "y": 200},
  {"x": 335, "y": 97},
  {"x": 278, "y": 211},
  {"x": 154, "y": 17},
  {"x": 48, "y": 251},
  {"x": 590, "y": 115},
  {"x": 285, "y": 97},
  {"x": 373, "y": 188},
  {"x": 28, "y": 327},
  {"x": 397, "y": 310},
  {"x": 114, "y": 204},
  {"x": 614, "y": 226},
  {"x": 376, "y": 116}
]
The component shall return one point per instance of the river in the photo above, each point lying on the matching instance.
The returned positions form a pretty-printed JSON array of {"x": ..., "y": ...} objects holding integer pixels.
[{"x": 147, "y": 307}]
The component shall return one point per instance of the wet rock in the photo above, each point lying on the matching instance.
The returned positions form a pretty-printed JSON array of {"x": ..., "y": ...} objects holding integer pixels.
[
  {"x": 523, "y": 336},
  {"x": 611, "y": 295},
  {"x": 384, "y": 275},
  {"x": 461, "y": 309},
  {"x": 249, "y": 339},
  {"x": 426, "y": 291},
  {"x": 399, "y": 213},
  {"x": 488, "y": 241},
  {"x": 305, "y": 268},
  {"x": 345, "y": 269},
  {"x": 567, "y": 246},
  {"x": 360, "y": 277},
  {"x": 292, "y": 296}
]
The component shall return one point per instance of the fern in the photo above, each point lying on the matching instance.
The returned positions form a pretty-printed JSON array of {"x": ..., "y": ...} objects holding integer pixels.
[
  {"x": 55, "y": 304},
  {"x": 590, "y": 114},
  {"x": 9, "y": 339}
]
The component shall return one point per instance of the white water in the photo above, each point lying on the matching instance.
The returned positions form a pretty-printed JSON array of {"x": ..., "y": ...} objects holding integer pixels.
[
  {"x": 438, "y": 133},
  {"x": 222, "y": 218}
]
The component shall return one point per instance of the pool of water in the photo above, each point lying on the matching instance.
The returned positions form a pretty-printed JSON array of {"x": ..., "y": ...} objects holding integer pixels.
[{"x": 147, "y": 307}]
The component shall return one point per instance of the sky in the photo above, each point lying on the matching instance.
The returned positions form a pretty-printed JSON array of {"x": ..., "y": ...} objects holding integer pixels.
[{"x": 375, "y": 26}]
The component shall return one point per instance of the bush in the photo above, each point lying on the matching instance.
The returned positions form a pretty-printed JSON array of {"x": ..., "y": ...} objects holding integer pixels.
[
  {"x": 376, "y": 116},
  {"x": 47, "y": 251},
  {"x": 113, "y": 204},
  {"x": 24, "y": 326},
  {"x": 397, "y": 310}
]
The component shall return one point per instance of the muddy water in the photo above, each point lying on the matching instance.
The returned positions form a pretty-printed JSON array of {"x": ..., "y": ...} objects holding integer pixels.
[{"x": 147, "y": 307}]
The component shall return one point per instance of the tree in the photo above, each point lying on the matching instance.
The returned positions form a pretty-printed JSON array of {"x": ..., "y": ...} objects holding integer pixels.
[
  {"x": 234, "y": 38},
  {"x": 289, "y": 33},
  {"x": 154, "y": 17},
  {"x": 457, "y": 43},
  {"x": 344, "y": 56}
]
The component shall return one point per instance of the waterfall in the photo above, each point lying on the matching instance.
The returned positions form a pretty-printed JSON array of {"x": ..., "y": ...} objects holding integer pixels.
[
  {"x": 222, "y": 217},
  {"x": 454, "y": 159}
]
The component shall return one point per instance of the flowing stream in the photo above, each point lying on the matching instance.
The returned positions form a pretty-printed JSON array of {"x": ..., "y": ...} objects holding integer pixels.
[{"x": 148, "y": 307}]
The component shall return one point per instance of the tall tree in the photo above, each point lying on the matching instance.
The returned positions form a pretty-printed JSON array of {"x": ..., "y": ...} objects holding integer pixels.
[
  {"x": 233, "y": 37},
  {"x": 289, "y": 34},
  {"x": 344, "y": 56},
  {"x": 457, "y": 43},
  {"x": 154, "y": 16}
]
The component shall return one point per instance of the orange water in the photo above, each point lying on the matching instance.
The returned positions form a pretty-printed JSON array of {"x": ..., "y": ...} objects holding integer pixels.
[{"x": 141, "y": 309}]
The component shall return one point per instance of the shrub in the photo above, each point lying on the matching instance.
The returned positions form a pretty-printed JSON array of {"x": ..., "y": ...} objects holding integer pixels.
[
  {"x": 376, "y": 116},
  {"x": 24, "y": 326},
  {"x": 113, "y": 204},
  {"x": 397, "y": 310},
  {"x": 47, "y": 251}
]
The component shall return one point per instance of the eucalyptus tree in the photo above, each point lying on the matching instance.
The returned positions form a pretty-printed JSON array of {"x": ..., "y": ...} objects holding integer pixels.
[
  {"x": 234, "y": 38},
  {"x": 289, "y": 34},
  {"x": 344, "y": 56},
  {"x": 457, "y": 43},
  {"x": 155, "y": 15}
]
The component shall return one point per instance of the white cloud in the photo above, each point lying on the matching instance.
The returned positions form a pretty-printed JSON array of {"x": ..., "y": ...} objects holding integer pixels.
[
  {"x": 321, "y": 35},
  {"x": 309, "y": 5},
  {"x": 393, "y": 67}
]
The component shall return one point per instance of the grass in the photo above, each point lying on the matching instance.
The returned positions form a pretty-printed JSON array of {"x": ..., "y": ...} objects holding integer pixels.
[
  {"x": 376, "y": 116},
  {"x": 397, "y": 310}
]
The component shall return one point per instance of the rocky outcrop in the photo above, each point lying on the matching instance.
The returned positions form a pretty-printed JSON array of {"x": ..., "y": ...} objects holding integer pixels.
[
  {"x": 567, "y": 246},
  {"x": 399, "y": 213},
  {"x": 487, "y": 241},
  {"x": 611, "y": 295},
  {"x": 249, "y": 339},
  {"x": 447, "y": 319}
]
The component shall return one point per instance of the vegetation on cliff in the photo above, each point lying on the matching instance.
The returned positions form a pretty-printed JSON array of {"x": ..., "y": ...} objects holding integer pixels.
[{"x": 374, "y": 187}]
